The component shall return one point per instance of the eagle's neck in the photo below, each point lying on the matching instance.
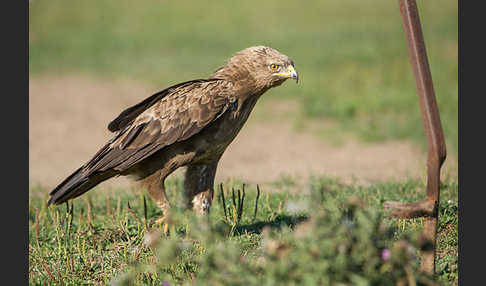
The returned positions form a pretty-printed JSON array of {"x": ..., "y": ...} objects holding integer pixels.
[{"x": 240, "y": 74}]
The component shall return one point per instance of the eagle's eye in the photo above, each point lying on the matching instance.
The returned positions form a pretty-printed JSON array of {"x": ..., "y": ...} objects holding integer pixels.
[{"x": 274, "y": 67}]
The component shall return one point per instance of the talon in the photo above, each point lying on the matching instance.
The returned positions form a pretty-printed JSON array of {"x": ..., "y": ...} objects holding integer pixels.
[
  {"x": 165, "y": 225},
  {"x": 160, "y": 220}
]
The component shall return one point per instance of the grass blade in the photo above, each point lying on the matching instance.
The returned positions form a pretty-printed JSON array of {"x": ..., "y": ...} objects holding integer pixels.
[{"x": 256, "y": 202}]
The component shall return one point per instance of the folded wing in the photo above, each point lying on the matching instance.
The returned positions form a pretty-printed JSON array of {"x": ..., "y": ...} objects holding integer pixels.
[
  {"x": 181, "y": 113},
  {"x": 172, "y": 115}
]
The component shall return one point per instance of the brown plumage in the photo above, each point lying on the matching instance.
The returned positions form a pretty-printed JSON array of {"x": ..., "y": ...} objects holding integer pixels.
[{"x": 188, "y": 124}]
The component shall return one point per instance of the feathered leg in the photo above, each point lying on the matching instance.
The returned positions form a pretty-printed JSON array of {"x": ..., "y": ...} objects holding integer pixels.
[
  {"x": 198, "y": 186},
  {"x": 156, "y": 189}
]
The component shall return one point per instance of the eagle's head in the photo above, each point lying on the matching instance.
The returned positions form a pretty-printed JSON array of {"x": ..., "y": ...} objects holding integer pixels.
[{"x": 258, "y": 67}]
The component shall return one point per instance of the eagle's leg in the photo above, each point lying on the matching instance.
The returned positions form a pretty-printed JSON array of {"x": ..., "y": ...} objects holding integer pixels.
[
  {"x": 156, "y": 189},
  {"x": 198, "y": 186}
]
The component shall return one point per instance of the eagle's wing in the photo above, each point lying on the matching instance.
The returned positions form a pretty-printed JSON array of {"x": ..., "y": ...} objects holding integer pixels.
[
  {"x": 170, "y": 116},
  {"x": 128, "y": 115}
]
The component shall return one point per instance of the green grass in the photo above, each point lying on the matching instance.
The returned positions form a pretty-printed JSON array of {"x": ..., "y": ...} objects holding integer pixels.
[
  {"x": 102, "y": 237},
  {"x": 351, "y": 54}
]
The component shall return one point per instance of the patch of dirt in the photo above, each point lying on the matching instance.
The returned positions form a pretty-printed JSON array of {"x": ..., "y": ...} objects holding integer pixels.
[{"x": 68, "y": 117}]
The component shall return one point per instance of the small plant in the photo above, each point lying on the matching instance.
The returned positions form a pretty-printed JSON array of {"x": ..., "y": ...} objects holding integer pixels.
[
  {"x": 341, "y": 243},
  {"x": 234, "y": 212}
]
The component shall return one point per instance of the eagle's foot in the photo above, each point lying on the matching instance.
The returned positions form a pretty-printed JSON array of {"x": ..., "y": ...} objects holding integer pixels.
[
  {"x": 201, "y": 203},
  {"x": 164, "y": 222}
]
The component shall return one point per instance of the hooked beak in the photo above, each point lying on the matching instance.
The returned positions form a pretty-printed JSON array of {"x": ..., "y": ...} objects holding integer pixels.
[
  {"x": 290, "y": 73},
  {"x": 293, "y": 73}
]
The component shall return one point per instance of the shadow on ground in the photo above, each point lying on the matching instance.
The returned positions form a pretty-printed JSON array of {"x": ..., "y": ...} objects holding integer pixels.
[{"x": 277, "y": 223}]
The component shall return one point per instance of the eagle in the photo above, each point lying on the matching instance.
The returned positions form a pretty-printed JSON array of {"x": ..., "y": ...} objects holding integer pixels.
[{"x": 189, "y": 124}]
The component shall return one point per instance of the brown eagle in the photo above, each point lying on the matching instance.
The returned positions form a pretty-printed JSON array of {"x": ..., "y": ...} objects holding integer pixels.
[{"x": 189, "y": 124}]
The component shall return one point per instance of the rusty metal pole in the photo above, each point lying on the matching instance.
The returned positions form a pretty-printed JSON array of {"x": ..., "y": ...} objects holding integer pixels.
[{"x": 428, "y": 208}]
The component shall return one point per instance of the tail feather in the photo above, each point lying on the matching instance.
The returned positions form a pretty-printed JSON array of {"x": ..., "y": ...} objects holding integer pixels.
[{"x": 77, "y": 184}]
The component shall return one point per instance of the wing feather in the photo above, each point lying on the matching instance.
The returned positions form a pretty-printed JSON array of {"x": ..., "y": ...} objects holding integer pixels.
[
  {"x": 128, "y": 115},
  {"x": 181, "y": 112}
]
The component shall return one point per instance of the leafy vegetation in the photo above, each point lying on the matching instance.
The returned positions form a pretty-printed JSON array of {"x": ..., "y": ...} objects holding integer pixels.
[{"x": 327, "y": 234}]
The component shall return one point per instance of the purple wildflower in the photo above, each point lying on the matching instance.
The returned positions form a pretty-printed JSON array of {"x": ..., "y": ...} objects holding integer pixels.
[{"x": 385, "y": 254}]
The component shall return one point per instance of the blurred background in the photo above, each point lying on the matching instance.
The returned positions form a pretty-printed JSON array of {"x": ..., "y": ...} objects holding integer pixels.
[{"x": 354, "y": 113}]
